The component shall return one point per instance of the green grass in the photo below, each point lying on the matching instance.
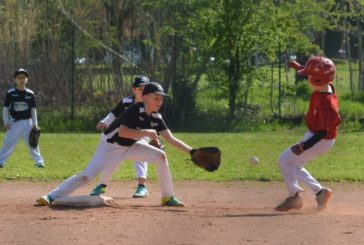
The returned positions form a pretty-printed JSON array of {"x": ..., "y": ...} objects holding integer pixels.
[{"x": 67, "y": 154}]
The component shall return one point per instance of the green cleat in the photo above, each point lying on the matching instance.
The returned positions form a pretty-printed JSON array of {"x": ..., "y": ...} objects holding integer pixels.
[
  {"x": 98, "y": 190},
  {"x": 44, "y": 201},
  {"x": 171, "y": 201},
  {"x": 141, "y": 192}
]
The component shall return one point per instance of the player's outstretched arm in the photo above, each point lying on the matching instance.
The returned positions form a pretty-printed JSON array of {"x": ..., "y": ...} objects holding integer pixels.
[{"x": 177, "y": 143}]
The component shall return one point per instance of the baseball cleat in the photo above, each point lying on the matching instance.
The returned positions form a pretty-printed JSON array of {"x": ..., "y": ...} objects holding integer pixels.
[
  {"x": 44, "y": 201},
  {"x": 294, "y": 202},
  {"x": 322, "y": 197},
  {"x": 141, "y": 192},
  {"x": 98, "y": 190},
  {"x": 39, "y": 165},
  {"x": 171, "y": 201}
]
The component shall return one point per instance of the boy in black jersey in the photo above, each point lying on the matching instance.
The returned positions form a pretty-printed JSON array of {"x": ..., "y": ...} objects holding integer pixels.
[
  {"x": 19, "y": 116},
  {"x": 122, "y": 142},
  {"x": 141, "y": 168}
]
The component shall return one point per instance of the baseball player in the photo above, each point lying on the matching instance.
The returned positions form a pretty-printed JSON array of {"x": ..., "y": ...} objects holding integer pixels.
[
  {"x": 19, "y": 116},
  {"x": 141, "y": 168},
  {"x": 322, "y": 120},
  {"x": 122, "y": 142}
]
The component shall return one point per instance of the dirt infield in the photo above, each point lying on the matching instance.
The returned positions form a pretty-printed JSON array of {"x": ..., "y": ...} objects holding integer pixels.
[{"x": 215, "y": 213}]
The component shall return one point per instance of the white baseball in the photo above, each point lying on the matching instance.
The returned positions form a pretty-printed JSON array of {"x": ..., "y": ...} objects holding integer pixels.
[{"x": 254, "y": 160}]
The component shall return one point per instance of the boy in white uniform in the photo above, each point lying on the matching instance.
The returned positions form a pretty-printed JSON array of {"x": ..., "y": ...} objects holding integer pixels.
[
  {"x": 141, "y": 168},
  {"x": 122, "y": 142},
  {"x": 20, "y": 116}
]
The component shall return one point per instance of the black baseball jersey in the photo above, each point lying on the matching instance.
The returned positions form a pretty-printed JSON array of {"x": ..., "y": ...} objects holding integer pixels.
[
  {"x": 20, "y": 103},
  {"x": 123, "y": 104},
  {"x": 135, "y": 117}
]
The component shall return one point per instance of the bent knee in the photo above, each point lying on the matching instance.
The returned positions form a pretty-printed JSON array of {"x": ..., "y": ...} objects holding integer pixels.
[
  {"x": 163, "y": 156},
  {"x": 282, "y": 160},
  {"x": 84, "y": 178}
]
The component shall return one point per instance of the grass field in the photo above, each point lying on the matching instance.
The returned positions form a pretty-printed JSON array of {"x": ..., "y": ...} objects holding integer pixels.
[{"x": 67, "y": 154}]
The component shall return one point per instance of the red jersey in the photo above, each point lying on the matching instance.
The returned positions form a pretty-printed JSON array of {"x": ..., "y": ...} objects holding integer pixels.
[{"x": 323, "y": 113}]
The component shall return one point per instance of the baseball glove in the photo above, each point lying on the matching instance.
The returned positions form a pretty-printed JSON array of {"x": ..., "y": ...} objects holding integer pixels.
[
  {"x": 34, "y": 137},
  {"x": 207, "y": 158},
  {"x": 157, "y": 143}
]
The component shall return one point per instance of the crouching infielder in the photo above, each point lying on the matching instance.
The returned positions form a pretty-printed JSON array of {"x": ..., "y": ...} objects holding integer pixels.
[{"x": 122, "y": 143}]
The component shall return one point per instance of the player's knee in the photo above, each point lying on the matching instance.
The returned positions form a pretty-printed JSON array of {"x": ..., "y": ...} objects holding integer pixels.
[
  {"x": 84, "y": 178},
  {"x": 163, "y": 156},
  {"x": 282, "y": 160}
]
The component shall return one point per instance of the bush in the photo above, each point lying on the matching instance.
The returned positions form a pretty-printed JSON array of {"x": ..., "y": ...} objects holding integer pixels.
[{"x": 303, "y": 91}]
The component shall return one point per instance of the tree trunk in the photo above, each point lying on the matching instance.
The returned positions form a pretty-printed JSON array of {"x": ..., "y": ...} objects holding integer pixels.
[
  {"x": 234, "y": 70},
  {"x": 347, "y": 40},
  {"x": 360, "y": 54},
  {"x": 271, "y": 88},
  {"x": 115, "y": 19}
]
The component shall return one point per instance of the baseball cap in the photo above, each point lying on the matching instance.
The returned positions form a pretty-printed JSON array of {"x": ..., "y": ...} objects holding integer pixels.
[
  {"x": 140, "y": 81},
  {"x": 155, "y": 88},
  {"x": 21, "y": 71}
]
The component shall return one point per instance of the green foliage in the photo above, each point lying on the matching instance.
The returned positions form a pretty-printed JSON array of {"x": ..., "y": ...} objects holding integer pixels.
[
  {"x": 59, "y": 120},
  {"x": 67, "y": 154},
  {"x": 303, "y": 91}
]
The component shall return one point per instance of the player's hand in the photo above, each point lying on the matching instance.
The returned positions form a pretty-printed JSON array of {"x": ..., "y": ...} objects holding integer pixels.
[
  {"x": 101, "y": 126},
  {"x": 151, "y": 133},
  {"x": 297, "y": 149},
  {"x": 295, "y": 65},
  {"x": 7, "y": 126}
]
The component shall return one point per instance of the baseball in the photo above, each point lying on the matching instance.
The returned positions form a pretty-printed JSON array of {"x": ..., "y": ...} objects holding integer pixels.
[{"x": 254, "y": 160}]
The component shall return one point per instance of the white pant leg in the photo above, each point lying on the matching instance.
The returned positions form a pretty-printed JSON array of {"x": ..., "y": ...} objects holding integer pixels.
[
  {"x": 303, "y": 175},
  {"x": 144, "y": 152},
  {"x": 291, "y": 165},
  {"x": 106, "y": 155},
  {"x": 34, "y": 152},
  {"x": 12, "y": 137},
  {"x": 109, "y": 169},
  {"x": 107, "y": 174},
  {"x": 141, "y": 169}
]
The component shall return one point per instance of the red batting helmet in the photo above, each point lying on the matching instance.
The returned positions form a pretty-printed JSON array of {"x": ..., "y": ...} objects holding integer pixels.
[{"x": 320, "y": 70}]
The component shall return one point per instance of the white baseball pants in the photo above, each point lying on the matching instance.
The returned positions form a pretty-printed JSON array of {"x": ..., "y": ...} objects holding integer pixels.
[
  {"x": 19, "y": 129},
  {"x": 141, "y": 168},
  {"x": 291, "y": 165},
  {"x": 109, "y": 155}
]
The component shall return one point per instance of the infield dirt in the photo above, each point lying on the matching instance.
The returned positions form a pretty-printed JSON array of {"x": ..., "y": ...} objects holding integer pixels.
[{"x": 215, "y": 213}]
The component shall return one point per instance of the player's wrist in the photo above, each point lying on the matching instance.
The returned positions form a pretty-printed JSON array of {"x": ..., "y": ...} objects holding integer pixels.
[{"x": 301, "y": 146}]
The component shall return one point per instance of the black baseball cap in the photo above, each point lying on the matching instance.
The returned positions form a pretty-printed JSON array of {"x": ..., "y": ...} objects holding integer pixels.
[
  {"x": 21, "y": 71},
  {"x": 140, "y": 81},
  {"x": 155, "y": 88}
]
